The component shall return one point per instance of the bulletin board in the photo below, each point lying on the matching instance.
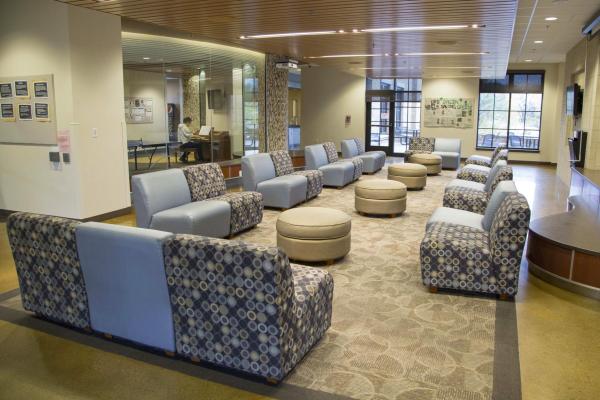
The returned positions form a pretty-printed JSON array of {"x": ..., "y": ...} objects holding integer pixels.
[
  {"x": 448, "y": 112},
  {"x": 27, "y": 109},
  {"x": 139, "y": 110}
]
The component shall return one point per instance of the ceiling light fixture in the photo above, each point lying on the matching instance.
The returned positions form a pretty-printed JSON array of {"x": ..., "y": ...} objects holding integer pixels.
[
  {"x": 146, "y": 58},
  {"x": 448, "y": 53},
  {"x": 538, "y": 41},
  {"x": 528, "y": 60},
  {"x": 341, "y": 31},
  {"x": 551, "y": 18},
  {"x": 354, "y": 30},
  {"x": 415, "y": 28},
  {"x": 289, "y": 34},
  {"x": 402, "y": 54}
]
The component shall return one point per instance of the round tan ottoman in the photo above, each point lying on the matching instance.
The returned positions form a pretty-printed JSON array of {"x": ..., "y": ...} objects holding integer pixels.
[
  {"x": 414, "y": 176},
  {"x": 314, "y": 234},
  {"x": 432, "y": 162},
  {"x": 380, "y": 197}
]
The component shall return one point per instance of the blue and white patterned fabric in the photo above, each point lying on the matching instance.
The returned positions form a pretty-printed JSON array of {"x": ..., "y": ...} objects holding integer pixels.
[
  {"x": 48, "y": 267},
  {"x": 485, "y": 161},
  {"x": 283, "y": 166},
  {"x": 470, "y": 259},
  {"x": 358, "y": 167},
  {"x": 243, "y": 306},
  {"x": 419, "y": 145},
  {"x": 314, "y": 178},
  {"x": 331, "y": 151},
  {"x": 360, "y": 145},
  {"x": 464, "y": 197},
  {"x": 246, "y": 209},
  {"x": 206, "y": 182}
]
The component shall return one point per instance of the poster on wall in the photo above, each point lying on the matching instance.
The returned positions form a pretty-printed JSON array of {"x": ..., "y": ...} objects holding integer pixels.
[
  {"x": 41, "y": 112},
  {"x": 21, "y": 89},
  {"x": 6, "y": 91},
  {"x": 7, "y": 113},
  {"x": 25, "y": 113},
  {"x": 139, "y": 110},
  {"x": 448, "y": 113},
  {"x": 40, "y": 89}
]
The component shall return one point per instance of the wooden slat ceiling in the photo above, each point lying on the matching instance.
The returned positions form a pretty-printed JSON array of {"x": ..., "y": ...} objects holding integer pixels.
[{"x": 224, "y": 21}]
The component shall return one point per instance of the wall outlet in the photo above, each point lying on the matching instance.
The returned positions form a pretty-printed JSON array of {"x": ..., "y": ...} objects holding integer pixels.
[{"x": 94, "y": 132}]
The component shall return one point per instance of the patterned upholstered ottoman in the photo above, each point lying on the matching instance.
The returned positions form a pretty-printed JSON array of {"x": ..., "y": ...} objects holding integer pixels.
[
  {"x": 432, "y": 162},
  {"x": 380, "y": 197},
  {"x": 414, "y": 176},
  {"x": 314, "y": 234}
]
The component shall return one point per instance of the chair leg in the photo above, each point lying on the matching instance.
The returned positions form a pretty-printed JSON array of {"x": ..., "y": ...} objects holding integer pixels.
[
  {"x": 392, "y": 215},
  {"x": 169, "y": 354},
  {"x": 272, "y": 381},
  {"x": 503, "y": 296},
  {"x": 195, "y": 360},
  {"x": 329, "y": 262},
  {"x": 433, "y": 289},
  {"x": 107, "y": 335}
]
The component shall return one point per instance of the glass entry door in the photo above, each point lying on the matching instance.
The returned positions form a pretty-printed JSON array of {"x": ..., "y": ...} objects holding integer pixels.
[{"x": 379, "y": 125}]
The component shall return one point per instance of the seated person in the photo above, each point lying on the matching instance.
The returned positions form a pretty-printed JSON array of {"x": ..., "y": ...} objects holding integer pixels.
[{"x": 184, "y": 135}]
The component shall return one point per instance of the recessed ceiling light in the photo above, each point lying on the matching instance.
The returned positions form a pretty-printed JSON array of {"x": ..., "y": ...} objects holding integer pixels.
[
  {"x": 146, "y": 58},
  {"x": 288, "y": 34},
  {"x": 448, "y": 53},
  {"x": 538, "y": 41},
  {"x": 452, "y": 67},
  {"x": 415, "y": 28},
  {"x": 169, "y": 70},
  {"x": 341, "y": 31},
  {"x": 528, "y": 60},
  {"x": 355, "y": 30},
  {"x": 402, "y": 54},
  {"x": 550, "y": 18}
]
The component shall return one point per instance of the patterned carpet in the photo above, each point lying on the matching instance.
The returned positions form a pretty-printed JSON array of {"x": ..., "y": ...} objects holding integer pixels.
[{"x": 390, "y": 338}]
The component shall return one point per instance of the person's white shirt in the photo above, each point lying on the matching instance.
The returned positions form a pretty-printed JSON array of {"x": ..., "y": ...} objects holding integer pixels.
[{"x": 184, "y": 133}]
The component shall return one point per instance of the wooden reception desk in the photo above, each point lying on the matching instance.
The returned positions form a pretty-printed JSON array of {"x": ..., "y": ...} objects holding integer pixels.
[{"x": 564, "y": 249}]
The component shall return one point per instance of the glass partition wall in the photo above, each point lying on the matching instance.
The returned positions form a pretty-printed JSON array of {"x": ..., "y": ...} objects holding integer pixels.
[{"x": 190, "y": 102}]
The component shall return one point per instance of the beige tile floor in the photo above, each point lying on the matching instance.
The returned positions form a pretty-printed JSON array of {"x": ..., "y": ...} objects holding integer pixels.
[{"x": 559, "y": 340}]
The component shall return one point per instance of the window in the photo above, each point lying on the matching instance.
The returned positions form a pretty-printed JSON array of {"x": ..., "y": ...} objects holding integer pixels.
[
  {"x": 510, "y": 111},
  {"x": 393, "y": 113}
]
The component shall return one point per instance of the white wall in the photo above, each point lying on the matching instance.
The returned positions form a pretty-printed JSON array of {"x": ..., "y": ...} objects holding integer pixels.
[
  {"x": 150, "y": 85},
  {"x": 327, "y": 97},
  {"x": 82, "y": 49}
]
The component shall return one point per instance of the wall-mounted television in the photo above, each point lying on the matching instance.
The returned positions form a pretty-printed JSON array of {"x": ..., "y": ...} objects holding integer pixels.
[{"x": 574, "y": 100}]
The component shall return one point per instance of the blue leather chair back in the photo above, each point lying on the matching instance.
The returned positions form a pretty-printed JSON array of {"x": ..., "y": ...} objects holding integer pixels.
[
  {"x": 448, "y": 145},
  {"x": 126, "y": 283},
  {"x": 349, "y": 148},
  {"x": 503, "y": 189},
  {"x": 257, "y": 168},
  {"x": 315, "y": 156},
  {"x": 158, "y": 191}
]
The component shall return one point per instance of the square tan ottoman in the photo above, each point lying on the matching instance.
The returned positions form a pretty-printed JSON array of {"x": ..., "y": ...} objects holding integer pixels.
[
  {"x": 414, "y": 176},
  {"x": 432, "y": 162},
  {"x": 314, "y": 234},
  {"x": 380, "y": 197}
]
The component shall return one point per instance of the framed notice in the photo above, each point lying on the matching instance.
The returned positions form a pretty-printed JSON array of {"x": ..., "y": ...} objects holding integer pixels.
[
  {"x": 448, "y": 112},
  {"x": 7, "y": 112},
  {"x": 139, "y": 110},
  {"x": 25, "y": 113},
  {"x": 40, "y": 89},
  {"x": 22, "y": 89},
  {"x": 6, "y": 91},
  {"x": 28, "y": 113},
  {"x": 41, "y": 112}
]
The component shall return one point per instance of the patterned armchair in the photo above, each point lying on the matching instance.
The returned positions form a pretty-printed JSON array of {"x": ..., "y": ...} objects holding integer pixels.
[
  {"x": 48, "y": 268},
  {"x": 420, "y": 145},
  {"x": 466, "y": 258},
  {"x": 332, "y": 157},
  {"x": 480, "y": 173},
  {"x": 283, "y": 166},
  {"x": 244, "y": 307},
  {"x": 483, "y": 160},
  {"x": 465, "y": 195},
  {"x": 206, "y": 182}
]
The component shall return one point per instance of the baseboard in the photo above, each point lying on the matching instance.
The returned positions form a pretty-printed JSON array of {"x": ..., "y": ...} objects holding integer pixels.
[
  {"x": 524, "y": 162},
  {"x": 97, "y": 218}
]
